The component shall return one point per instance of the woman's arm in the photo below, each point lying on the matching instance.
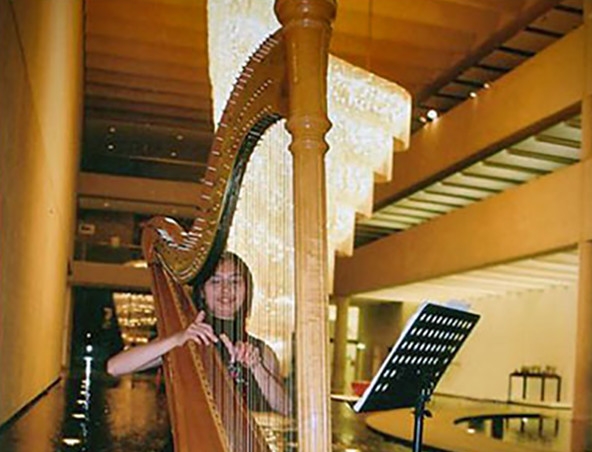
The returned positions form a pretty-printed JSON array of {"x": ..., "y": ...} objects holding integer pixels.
[
  {"x": 149, "y": 355},
  {"x": 267, "y": 374}
]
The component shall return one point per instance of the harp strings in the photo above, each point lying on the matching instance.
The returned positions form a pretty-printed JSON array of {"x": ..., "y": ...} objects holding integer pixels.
[{"x": 262, "y": 235}]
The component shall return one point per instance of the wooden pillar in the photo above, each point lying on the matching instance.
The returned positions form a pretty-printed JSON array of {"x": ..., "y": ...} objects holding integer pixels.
[
  {"x": 340, "y": 346},
  {"x": 581, "y": 439},
  {"x": 41, "y": 96},
  {"x": 380, "y": 326},
  {"x": 307, "y": 30}
]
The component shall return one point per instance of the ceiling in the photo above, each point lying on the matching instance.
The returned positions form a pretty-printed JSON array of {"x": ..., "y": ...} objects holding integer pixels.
[
  {"x": 533, "y": 274},
  {"x": 148, "y": 111},
  {"x": 545, "y": 152}
]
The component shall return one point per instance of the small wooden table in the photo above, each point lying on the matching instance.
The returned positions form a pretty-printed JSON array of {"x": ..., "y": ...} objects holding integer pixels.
[{"x": 543, "y": 376}]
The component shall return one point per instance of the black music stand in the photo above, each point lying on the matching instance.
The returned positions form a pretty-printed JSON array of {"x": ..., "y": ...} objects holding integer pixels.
[{"x": 414, "y": 366}]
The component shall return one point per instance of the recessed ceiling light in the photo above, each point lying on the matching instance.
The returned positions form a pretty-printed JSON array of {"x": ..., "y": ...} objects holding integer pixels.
[
  {"x": 486, "y": 85},
  {"x": 423, "y": 119},
  {"x": 71, "y": 441},
  {"x": 473, "y": 94},
  {"x": 180, "y": 137},
  {"x": 110, "y": 146},
  {"x": 432, "y": 114},
  {"x": 106, "y": 204},
  {"x": 112, "y": 129},
  {"x": 173, "y": 153}
]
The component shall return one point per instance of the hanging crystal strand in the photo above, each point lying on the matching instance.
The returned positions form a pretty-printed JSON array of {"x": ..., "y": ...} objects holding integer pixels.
[{"x": 288, "y": 283}]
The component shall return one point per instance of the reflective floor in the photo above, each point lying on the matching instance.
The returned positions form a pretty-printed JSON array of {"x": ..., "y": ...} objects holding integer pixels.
[
  {"x": 116, "y": 416},
  {"x": 96, "y": 413},
  {"x": 90, "y": 411}
]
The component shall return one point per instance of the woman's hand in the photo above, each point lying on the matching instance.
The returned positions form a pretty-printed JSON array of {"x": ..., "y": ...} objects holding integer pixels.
[
  {"x": 198, "y": 331},
  {"x": 244, "y": 353}
]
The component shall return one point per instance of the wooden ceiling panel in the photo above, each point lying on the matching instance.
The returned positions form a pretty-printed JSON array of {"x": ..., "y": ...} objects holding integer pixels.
[
  {"x": 503, "y": 60},
  {"x": 194, "y": 114},
  {"x": 388, "y": 50},
  {"x": 407, "y": 75},
  {"x": 150, "y": 33},
  {"x": 477, "y": 74},
  {"x": 142, "y": 96},
  {"x": 499, "y": 6},
  {"x": 189, "y": 15},
  {"x": 147, "y": 167},
  {"x": 438, "y": 13},
  {"x": 439, "y": 103},
  {"x": 122, "y": 139},
  {"x": 558, "y": 21},
  {"x": 575, "y": 4},
  {"x": 145, "y": 118},
  {"x": 103, "y": 130},
  {"x": 194, "y": 56},
  {"x": 147, "y": 82},
  {"x": 132, "y": 66},
  {"x": 529, "y": 41},
  {"x": 459, "y": 90},
  {"x": 404, "y": 31}
]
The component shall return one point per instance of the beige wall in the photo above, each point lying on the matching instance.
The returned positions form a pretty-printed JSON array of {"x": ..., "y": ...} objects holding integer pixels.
[
  {"x": 40, "y": 107},
  {"x": 529, "y": 328}
]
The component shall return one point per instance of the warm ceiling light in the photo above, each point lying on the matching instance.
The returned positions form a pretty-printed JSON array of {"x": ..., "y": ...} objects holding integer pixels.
[
  {"x": 112, "y": 129},
  {"x": 173, "y": 153},
  {"x": 486, "y": 85},
  {"x": 110, "y": 146},
  {"x": 472, "y": 94},
  {"x": 71, "y": 441},
  {"x": 180, "y": 137},
  {"x": 432, "y": 114},
  {"x": 423, "y": 119}
]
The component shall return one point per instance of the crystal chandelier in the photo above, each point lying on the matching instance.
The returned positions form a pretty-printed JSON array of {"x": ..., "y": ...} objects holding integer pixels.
[{"x": 370, "y": 117}]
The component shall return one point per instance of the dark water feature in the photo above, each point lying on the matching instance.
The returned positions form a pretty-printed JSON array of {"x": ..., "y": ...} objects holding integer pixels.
[{"x": 526, "y": 428}]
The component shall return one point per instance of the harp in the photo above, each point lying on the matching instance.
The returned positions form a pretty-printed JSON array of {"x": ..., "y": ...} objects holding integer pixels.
[{"x": 284, "y": 78}]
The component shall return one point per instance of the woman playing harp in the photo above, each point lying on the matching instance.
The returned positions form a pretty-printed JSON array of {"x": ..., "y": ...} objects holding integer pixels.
[
  {"x": 283, "y": 79},
  {"x": 224, "y": 302}
]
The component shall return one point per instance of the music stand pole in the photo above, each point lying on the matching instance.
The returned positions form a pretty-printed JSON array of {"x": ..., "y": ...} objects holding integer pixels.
[{"x": 419, "y": 415}]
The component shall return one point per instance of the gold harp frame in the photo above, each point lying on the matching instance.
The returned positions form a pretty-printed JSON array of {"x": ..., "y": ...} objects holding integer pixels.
[{"x": 285, "y": 78}]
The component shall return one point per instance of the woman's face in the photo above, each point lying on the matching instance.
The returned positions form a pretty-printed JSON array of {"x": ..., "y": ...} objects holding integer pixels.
[{"x": 225, "y": 291}]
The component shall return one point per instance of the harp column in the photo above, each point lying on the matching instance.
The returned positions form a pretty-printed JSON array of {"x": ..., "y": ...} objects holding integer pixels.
[{"x": 307, "y": 30}]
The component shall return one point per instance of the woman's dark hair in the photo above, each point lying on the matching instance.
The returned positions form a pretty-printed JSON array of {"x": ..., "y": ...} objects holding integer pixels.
[{"x": 243, "y": 269}]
